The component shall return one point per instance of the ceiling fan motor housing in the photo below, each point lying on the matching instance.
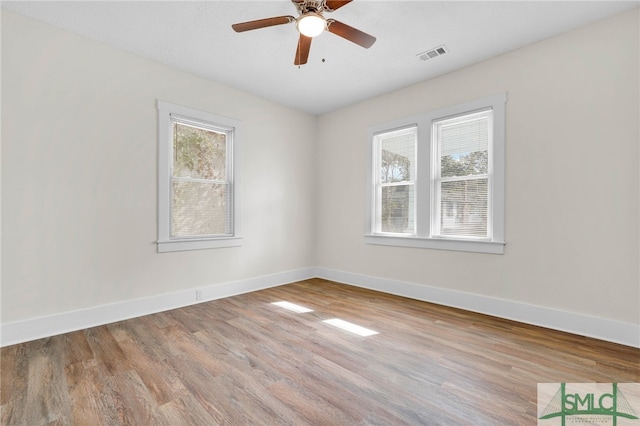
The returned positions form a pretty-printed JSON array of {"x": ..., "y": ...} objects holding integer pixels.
[{"x": 310, "y": 6}]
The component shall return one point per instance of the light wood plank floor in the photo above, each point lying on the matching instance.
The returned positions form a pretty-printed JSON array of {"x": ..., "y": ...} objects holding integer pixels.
[{"x": 244, "y": 361}]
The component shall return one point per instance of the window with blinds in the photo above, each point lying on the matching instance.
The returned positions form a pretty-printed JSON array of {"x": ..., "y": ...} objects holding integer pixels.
[
  {"x": 395, "y": 181},
  {"x": 437, "y": 179},
  {"x": 197, "y": 180},
  {"x": 200, "y": 188},
  {"x": 461, "y": 178}
]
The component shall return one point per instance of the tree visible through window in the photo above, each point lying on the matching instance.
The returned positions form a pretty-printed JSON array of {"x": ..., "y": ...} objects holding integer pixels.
[{"x": 395, "y": 199}]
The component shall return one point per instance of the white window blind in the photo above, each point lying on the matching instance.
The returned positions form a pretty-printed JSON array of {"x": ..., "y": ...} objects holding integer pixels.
[
  {"x": 200, "y": 188},
  {"x": 462, "y": 176}
]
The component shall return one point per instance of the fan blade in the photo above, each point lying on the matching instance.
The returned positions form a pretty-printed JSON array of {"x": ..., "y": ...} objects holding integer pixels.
[
  {"x": 331, "y": 5},
  {"x": 352, "y": 34},
  {"x": 302, "y": 52},
  {"x": 262, "y": 23}
]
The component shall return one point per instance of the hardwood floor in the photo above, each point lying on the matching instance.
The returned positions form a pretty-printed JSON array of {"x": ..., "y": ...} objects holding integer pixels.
[{"x": 244, "y": 361}]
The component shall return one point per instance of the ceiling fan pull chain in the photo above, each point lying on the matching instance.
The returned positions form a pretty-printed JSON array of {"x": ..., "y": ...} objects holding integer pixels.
[{"x": 323, "y": 50}]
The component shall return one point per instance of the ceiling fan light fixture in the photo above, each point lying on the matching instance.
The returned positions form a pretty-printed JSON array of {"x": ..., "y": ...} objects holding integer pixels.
[{"x": 311, "y": 24}]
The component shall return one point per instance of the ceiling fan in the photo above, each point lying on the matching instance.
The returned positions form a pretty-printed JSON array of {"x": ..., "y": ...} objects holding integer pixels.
[{"x": 311, "y": 23}]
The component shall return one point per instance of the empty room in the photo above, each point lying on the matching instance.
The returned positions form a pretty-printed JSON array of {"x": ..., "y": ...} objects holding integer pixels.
[{"x": 302, "y": 212}]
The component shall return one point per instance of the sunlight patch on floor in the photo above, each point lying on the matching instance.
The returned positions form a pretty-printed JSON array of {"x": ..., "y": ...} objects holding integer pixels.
[
  {"x": 293, "y": 307},
  {"x": 353, "y": 328}
]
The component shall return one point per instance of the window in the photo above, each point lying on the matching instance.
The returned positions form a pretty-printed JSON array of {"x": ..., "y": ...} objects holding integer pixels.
[
  {"x": 197, "y": 195},
  {"x": 461, "y": 178},
  {"x": 395, "y": 183},
  {"x": 438, "y": 179}
]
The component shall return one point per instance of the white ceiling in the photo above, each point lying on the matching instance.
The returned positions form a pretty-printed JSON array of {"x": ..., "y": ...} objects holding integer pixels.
[{"x": 196, "y": 36}]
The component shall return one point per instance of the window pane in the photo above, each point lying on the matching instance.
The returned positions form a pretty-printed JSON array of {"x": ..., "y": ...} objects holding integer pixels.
[
  {"x": 464, "y": 145},
  {"x": 397, "y": 209},
  {"x": 198, "y": 153},
  {"x": 398, "y": 156},
  {"x": 473, "y": 163},
  {"x": 198, "y": 208},
  {"x": 464, "y": 206}
]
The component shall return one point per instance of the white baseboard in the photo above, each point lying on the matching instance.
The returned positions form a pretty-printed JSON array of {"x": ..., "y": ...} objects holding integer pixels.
[
  {"x": 604, "y": 329},
  {"x": 37, "y": 328},
  {"x": 599, "y": 328}
]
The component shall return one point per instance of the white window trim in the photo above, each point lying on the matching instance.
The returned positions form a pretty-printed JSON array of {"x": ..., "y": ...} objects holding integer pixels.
[
  {"x": 423, "y": 195},
  {"x": 165, "y": 242}
]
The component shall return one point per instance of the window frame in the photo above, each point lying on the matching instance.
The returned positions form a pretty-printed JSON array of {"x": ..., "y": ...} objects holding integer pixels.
[
  {"x": 424, "y": 185},
  {"x": 169, "y": 113}
]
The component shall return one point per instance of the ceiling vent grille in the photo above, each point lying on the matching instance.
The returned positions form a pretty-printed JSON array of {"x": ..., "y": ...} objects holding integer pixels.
[{"x": 433, "y": 53}]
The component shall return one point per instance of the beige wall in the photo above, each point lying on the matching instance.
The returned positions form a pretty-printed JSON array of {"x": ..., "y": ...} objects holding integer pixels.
[
  {"x": 79, "y": 177},
  {"x": 572, "y": 177}
]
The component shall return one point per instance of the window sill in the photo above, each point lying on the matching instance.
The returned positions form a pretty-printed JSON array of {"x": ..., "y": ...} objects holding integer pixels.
[
  {"x": 198, "y": 244},
  {"x": 476, "y": 246}
]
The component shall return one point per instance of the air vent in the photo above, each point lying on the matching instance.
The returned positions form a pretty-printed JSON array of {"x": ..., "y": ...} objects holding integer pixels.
[{"x": 433, "y": 53}]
